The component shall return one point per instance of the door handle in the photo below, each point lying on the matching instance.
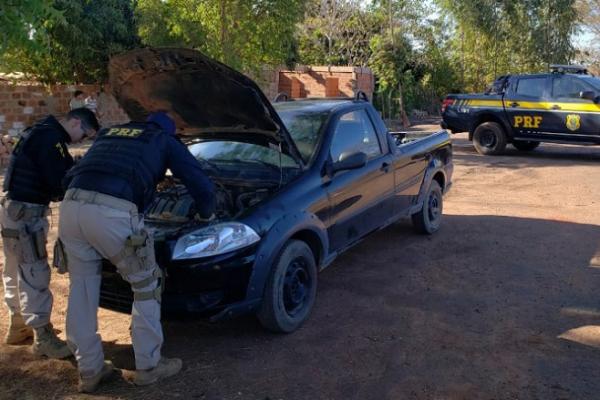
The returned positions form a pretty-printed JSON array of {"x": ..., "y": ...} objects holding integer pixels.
[
  {"x": 514, "y": 104},
  {"x": 385, "y": 167},
  {"x": 555, "y": 107}
]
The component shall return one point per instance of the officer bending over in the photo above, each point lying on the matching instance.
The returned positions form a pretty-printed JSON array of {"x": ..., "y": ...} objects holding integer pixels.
[
  {"x": 37, "y": 166},
  {"x": 102, "y": 217}
]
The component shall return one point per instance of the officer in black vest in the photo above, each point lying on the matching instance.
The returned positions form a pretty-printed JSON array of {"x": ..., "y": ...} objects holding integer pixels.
[
  {"x": 38, "y": 164},
  {"x": 102, "y": 217}
]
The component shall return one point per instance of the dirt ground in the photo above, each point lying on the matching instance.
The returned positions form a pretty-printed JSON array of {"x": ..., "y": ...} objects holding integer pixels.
[{"x": 502, "y": 303}]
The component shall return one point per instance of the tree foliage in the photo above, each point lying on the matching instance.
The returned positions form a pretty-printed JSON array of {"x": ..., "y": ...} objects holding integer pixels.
[
  {"x": 245, "y": 34},
  {"x": 78, "y": 47},
  {"x": 23, "y": 23},
  {"x": 494, "y": 37},
  {"x": 418, "y": 50}
]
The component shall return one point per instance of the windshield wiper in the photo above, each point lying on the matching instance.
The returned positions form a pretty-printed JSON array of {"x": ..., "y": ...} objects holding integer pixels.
[{"x": 266, "y": 164}]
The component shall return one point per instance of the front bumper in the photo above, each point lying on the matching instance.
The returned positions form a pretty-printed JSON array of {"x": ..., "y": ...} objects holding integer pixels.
[{"x": 206, "y": 287}]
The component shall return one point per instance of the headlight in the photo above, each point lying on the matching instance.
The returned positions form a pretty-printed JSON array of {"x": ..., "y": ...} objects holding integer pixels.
[{"x": 213, "y": 240}]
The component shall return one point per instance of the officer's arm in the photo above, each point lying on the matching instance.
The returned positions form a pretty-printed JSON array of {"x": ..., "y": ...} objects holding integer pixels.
[
  {"x": 186, "y": 168},
  {"x": 54, "y": 163}
]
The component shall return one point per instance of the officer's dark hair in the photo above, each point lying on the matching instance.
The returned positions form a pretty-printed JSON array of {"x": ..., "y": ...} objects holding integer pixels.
[
  {"x": 77, "y": 93},
  {"x": 86, "y": 116}
]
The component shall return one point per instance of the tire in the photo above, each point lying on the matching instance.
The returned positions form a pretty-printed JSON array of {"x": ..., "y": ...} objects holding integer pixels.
[
  {"x": 525, "y": 145},
  {"x": 489, "y": 139},
  {"x": 428, "y": 220},
  {"x": 291, "y": 289}
]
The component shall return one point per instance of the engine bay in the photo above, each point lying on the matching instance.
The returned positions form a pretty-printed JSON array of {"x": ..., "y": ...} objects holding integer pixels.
[{"x": 174, "y": 205}]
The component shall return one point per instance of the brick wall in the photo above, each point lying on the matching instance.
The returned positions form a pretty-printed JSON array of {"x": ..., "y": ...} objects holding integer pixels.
[
  {"x": 22, "y": 104},
  {"x": 326, "y": 82}
]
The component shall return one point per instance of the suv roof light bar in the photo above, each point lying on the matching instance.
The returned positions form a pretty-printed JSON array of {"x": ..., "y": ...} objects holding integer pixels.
[{"x": 571, "y": 69}]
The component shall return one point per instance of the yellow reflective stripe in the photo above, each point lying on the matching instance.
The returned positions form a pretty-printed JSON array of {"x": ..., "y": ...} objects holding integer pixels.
[
  {"x": 486, "y": 103},
  {"x": 544, "y": 105}
]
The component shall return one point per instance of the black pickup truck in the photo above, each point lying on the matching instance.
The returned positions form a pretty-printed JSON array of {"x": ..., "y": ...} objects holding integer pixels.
[
  {"x": 562, "y": 106},
  {"x": 298, "y": 183}
]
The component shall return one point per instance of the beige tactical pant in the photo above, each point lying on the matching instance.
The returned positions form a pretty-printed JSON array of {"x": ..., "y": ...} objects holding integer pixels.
[
  {"x": 26, "y": 278},
  {"x": 89, "y": 233}
]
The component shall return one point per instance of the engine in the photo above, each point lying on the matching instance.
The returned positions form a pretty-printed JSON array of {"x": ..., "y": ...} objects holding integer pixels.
[{"x": 173, "y": 203}]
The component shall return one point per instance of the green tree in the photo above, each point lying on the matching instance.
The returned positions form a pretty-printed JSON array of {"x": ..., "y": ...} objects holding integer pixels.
[
  {"x": 23, "y": 23},
  {"x": 493, "y": 37},
  {"x": 337, "y": 32},
  {"x": 78, "y": 48},
  {"x": 244, "y": 34}
]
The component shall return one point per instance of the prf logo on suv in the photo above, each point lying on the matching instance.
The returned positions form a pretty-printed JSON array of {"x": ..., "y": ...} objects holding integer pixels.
[{"x": 562, "y": 106}]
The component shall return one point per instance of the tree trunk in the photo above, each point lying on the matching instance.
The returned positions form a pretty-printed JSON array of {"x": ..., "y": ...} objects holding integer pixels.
[{"x": 403, "y": 116}]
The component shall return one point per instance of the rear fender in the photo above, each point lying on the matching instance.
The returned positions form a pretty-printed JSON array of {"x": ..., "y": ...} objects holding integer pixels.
[
  {"x": 274, "y": 241},
  {"x": 434, "y": 167}
]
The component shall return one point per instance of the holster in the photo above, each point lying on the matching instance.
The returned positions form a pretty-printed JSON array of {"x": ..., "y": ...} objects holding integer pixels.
[
  {"x": 29, "y": 246},
  {"x": 15, "y": 210},
  {"x": 59, "y": 259}
]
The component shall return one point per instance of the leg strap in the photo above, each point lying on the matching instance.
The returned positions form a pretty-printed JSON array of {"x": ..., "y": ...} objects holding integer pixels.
[
  {"x": 149, "y": 294},
  {"x": 157, "y": 274},
  {"x": 10, "y": 233}
]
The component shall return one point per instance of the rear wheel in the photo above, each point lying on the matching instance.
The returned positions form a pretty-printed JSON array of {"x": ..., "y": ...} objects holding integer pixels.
[
  {"x": 429, "y": 219},
  {"x": 525, "y": 145},
  {"x": 291, "y": 289},
  {"x": 489, "y": 138}
]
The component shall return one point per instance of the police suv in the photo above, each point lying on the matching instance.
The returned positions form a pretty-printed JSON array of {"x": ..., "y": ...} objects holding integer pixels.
[{"x": 562, "y": 106}]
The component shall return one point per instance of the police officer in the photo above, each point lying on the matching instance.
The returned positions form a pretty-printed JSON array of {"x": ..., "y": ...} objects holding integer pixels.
[
  {"x": 102, "y": 217},
  {"x": 37, "y": 166}
]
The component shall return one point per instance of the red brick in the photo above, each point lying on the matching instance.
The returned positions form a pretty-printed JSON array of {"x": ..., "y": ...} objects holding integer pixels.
[{"x": 16, "y": 95}]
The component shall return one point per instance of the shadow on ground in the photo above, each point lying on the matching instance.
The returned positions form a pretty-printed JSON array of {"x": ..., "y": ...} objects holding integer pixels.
[
  {"x": 545, "y": 155},
  {"x": 474, "y": 312}
]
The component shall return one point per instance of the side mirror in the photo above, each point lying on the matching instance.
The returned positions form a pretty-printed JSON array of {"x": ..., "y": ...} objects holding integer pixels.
[
  {"x": 589, "y": 95},
  {"x": 350, "y": 161}
]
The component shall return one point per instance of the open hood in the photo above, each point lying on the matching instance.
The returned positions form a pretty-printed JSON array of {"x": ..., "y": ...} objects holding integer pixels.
[{"x": 201, "y": 94}]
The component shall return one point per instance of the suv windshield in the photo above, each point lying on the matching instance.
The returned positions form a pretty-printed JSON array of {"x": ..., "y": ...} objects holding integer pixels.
[{"x": 592, "y": 80}]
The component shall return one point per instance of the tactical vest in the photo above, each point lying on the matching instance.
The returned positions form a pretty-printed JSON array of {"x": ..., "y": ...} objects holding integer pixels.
[
  {"x": 119, "y": 151},
  {"x": 22, "y": 173}
]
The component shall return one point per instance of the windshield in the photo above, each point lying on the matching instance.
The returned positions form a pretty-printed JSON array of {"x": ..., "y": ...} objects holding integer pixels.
[
  {"x": 228, "y": 151},
  {"x": 592, "y": 80},
  {"x": 304, "y": 127}
]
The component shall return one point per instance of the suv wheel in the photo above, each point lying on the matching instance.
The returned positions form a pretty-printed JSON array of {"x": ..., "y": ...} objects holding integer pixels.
[
  {"x": 489, "y": 138},
  {"x": 291, "y": 289}
]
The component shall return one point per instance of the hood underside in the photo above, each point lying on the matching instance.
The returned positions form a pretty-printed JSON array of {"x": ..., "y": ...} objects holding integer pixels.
[{"x": 201, "y": 94}]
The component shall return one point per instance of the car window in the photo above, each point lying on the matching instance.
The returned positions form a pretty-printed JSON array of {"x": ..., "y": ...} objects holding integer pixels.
[
  {"x": 568, "y": 87},
  {"x": 531, "y": 87},
  {"x": 354, "y": 132}
]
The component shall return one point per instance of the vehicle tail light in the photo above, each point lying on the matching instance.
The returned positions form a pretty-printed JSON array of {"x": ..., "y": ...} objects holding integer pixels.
[{"x": 447, "y": 102}]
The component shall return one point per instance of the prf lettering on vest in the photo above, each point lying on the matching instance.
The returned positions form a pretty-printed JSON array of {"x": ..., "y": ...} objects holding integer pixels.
[
  {"x": 526, "y": 121},
  {"x": 124, "y": 132}
]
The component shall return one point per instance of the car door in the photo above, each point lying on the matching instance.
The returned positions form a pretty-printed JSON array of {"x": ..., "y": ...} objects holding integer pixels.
[
  {"x": 361, "y": 200},
  {"x": 524, "y": 105},
  {"x": 569, "y": 113}
]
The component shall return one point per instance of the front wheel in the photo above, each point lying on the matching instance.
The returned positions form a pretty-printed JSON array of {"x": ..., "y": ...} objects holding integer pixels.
[
  {"x": 429, "y": 219},
  {"x": 525, "y": 145},
  {"x": 291, "y": 289},
  {"x": 489, "y": 139}
]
